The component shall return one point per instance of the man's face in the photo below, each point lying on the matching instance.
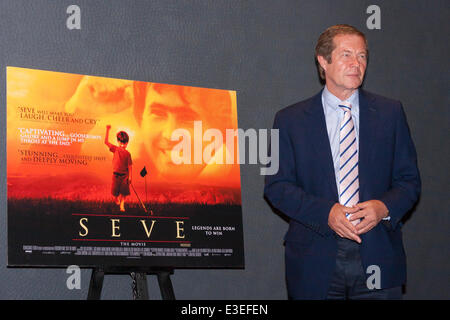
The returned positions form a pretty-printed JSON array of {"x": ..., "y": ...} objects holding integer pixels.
[
  {"x": 348, "y": 64},
  {"x": 166, "y": 111}
]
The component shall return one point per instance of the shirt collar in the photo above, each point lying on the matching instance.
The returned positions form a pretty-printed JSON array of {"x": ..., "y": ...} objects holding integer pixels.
[{"x": 331, "y": 101}]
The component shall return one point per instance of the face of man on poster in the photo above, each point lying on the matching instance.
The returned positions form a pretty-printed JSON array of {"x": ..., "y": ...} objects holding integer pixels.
[{"x": 168, "y": 110}]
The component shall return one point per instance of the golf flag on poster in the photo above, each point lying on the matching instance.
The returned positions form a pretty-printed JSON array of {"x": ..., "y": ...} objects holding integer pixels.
[
  {"x": 143, "y": 172},
  {"x": 69, "y": 177}
]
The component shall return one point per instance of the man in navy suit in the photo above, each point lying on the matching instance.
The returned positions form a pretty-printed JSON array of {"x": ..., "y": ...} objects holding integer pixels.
[{"x": 348, "y": 174}]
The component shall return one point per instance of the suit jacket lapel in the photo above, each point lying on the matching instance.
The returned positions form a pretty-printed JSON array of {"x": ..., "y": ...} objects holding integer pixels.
[
  {"x": 319, "y": 136},
  {"x": 368, "y": 123}
]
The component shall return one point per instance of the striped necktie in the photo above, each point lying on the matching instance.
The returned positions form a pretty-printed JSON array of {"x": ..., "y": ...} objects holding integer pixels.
[{"x": 348, "y": 161}]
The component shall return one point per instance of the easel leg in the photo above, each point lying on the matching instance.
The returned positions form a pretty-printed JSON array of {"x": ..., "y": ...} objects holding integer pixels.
[
  {"x": 96, "y": 284},
  {"x": 165, "y": 285}
]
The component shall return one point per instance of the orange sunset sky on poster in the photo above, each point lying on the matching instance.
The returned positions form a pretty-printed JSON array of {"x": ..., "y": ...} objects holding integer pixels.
[{"x": 56, "y": 128}]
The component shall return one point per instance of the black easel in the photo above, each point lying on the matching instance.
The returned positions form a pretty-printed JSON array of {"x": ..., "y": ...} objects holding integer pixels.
[{"x": 139, "y": 278}]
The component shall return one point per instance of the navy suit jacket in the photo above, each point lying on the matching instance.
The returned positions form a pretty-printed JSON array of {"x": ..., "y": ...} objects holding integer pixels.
[{"x": 304, "y": 189}]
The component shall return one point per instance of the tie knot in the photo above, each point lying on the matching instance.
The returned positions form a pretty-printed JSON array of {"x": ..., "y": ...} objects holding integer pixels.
[{"x": 346, "y": 107}]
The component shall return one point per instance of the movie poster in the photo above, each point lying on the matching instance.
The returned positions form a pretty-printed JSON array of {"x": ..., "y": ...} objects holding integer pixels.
[{"x": 113, "y": 172}]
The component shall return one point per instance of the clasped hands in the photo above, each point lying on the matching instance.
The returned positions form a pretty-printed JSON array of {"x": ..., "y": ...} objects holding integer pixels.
[{"x": 371, "y": 212}]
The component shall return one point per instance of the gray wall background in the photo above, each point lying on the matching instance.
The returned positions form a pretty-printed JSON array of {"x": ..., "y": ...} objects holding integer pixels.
[{"x": 264, "y": 50}]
